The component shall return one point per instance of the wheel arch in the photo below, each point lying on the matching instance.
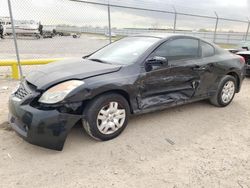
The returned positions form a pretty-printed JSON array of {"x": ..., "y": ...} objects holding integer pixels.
[
  {"x": 236, "y": 76},
  {"x": 121, "y": 92}
]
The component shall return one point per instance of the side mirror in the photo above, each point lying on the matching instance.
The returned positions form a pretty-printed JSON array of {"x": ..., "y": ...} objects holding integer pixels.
[{"x": 157, "y": 61}]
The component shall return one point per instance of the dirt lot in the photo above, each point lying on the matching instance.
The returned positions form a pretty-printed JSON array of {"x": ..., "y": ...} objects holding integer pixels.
[{"x": 195, "y": 145}]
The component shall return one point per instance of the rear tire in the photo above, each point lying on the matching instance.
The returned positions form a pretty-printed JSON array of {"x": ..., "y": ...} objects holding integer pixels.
[
  {"x": 225, "y": 92},
  {"x": 106, "y": 116}
]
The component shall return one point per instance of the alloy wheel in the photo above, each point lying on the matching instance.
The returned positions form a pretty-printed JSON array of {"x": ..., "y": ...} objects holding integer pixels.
[
  {"x": 228, "y": 92},
  {"x": 110, "y": 118}
]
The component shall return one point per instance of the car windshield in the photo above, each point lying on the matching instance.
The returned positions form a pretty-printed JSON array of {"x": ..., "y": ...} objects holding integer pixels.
[{"x": 125, "y": 51}]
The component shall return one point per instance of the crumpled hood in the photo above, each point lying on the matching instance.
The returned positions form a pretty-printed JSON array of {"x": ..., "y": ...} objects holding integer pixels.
[{"x": 60, "y": 71}]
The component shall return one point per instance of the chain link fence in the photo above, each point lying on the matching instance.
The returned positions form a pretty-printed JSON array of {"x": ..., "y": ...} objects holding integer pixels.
[{"x": 74, "y": 28}]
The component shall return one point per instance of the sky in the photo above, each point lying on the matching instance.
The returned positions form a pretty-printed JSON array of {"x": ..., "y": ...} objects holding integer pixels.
[{"x": 82, "y": 14}]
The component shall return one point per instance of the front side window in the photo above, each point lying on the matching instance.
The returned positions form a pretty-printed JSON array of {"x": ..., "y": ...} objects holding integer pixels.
[
  {"x": 206, "y": 49},
  {"x": 178, "y": 49},
  {"x": 125, "y": 51}
]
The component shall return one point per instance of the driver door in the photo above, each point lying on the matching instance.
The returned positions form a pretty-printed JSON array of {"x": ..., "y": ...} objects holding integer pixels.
[{"x": 176, "y": 81}]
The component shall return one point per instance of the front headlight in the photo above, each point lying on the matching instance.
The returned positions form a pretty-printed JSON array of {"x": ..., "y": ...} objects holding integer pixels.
[{"x": 59, "y": 92}]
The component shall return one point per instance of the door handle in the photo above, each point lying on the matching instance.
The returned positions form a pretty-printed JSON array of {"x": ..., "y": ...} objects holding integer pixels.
[{"x": 198, "y": 68}]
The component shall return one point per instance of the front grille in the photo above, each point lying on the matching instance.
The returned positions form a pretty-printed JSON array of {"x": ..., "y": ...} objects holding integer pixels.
[{"x": 21, "y": 92}]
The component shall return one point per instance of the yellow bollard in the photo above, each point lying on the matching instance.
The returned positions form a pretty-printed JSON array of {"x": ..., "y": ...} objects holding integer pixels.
[
  {"x": 15, "y": 72},
  {"x": 14, "y": 65}
]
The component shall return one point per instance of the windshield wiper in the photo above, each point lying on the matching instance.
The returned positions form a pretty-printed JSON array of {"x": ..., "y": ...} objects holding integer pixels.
[{"x": 99, "y": 60}]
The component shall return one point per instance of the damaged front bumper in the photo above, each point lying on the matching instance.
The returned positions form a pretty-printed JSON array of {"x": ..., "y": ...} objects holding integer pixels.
[{"x": 45, "y": 128}]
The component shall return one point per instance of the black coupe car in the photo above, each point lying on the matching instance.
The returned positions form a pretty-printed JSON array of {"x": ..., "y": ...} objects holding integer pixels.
[{"x": 137, "y": 74}]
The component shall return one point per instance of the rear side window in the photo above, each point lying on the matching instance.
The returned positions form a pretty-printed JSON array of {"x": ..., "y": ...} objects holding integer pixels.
[
  {"x": 178, "y": 49},
  {"x": 207, "y": 50}
]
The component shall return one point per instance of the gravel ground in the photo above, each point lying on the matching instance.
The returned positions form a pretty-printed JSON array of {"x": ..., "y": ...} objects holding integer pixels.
[{"x": 196, "y": 145}]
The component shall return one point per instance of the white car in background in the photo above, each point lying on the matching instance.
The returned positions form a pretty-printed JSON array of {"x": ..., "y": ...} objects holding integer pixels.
[
  {"x": 246, "y": 55},
  {"x": 242, "y": 46}
]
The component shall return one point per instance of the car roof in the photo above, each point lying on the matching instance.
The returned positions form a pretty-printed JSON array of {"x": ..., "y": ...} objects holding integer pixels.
[
  {"x": 162, "y": 35},
  {"x": 169, "y": 35},
  {"x": 165, "y": 36}
]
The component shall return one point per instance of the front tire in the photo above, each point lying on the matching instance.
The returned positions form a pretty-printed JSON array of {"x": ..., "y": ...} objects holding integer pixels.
[
  {"x": 225, "y": 92},
  {"x": 106, "y": 116}
]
